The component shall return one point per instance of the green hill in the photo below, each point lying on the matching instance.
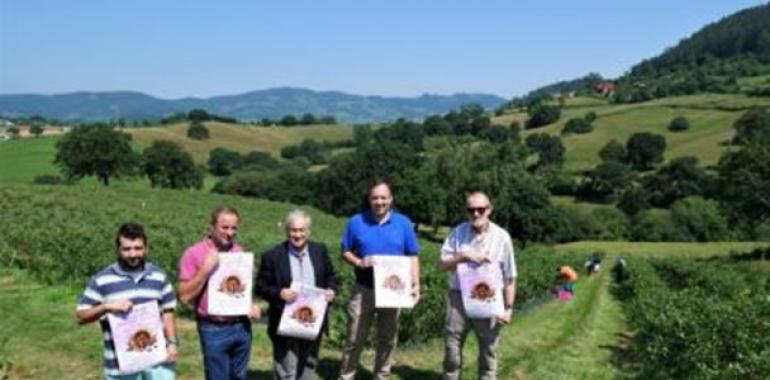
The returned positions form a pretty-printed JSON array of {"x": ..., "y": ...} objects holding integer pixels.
[
  {"x": 240, "y": 138},
  {"x": 711, "y": 117},
  {"x": 24, "y": 159},
  {"x": 742, "y": 35}
]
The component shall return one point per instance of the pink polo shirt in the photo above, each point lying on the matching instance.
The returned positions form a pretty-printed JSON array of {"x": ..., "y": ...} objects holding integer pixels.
[{"x": 191, "y": 262}]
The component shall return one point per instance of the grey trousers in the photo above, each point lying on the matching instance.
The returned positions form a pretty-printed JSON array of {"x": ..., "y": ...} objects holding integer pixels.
[
  {"x": 294, "y": 359},
  {"x": 457, "y": 328},
  {"x": 361, "y": 313}
]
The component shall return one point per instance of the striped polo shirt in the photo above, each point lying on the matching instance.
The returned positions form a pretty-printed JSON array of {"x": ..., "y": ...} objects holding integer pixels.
[{"x": 113, "y": 284}]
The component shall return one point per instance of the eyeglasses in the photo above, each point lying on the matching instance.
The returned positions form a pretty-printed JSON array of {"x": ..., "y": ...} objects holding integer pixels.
[{"x": 480, "y": 210}]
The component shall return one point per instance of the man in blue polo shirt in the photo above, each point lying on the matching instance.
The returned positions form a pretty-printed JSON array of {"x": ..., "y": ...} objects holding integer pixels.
[
  {"x": 127, "y": 282},
  {"x": 376, "y": 231}
]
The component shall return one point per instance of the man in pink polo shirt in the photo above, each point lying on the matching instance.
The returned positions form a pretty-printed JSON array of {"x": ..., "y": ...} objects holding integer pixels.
[{"x": 225, "y": 341}]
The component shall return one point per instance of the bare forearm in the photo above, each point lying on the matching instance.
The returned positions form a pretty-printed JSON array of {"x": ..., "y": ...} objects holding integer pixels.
[
  {"x": 169, "y": 324},
  {"x": 190, "y": 289},
  {"x": 415, "y": 272},
  {"x": 510, "y": 292},
  {"x": 90, "y": 315},
  {"x": 352, "y": 259},
  {"x": 449, "y": 265}
]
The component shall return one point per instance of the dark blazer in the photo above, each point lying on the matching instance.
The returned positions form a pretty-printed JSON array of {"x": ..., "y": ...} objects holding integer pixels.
[{"x": 275, "y": 274}]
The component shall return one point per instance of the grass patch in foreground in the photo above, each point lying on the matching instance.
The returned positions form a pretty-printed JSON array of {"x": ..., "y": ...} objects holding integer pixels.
[
  {"x": 661, "y": 249},
  {"x": 557, "y": 341}
]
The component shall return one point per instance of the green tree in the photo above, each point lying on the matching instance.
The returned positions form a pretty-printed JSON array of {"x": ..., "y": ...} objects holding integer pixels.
[
  {"x": 199, "y": 115},
  {"x": 577, "y": 125},
  {"x": 549, "y": 148},
  {"x": 743, "y": 182},
  {"x": 223, "y": 162},
  {"x": 590, "y": 116},
  {"x": 679, "y": 178},
  {"x": 634, "y": 200},
  {"x": 613, "y": 151},
  {"x": 362, "y": 135},
  {"x": 541, "y": 115},
  {"x": 258, "y": 160},
  {"x": 753, "y": 126},
  {"x": 645, "y": 150},
  {"x": 287, "y": 184},
  {"x": 288, "y": 121},
  {"x": 308, "y": 119},
  {"x": 36, "y": 129},
  {"x": 608, "y": 179},
  {"x": 402, "y": 131},
  {"x": 96, "y": 150},
  {"x": 168, "y": 166},
  {"x": 700, "y": 219},
  {"x": 341, "y": 188},
  {"x": 436, "y": 125},
  {"x": 420, "y": 198},
  {"x": 498, "y": 134},
  {"x": 522, "y": 206},
  {"x": 13, "y": 131},
  {"x": 197, "y": 131},
  {"x": 679, "y": 124}
]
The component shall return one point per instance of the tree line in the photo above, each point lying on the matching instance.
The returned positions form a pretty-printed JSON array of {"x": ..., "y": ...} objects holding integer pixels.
[{"x": 434, "y": 162}]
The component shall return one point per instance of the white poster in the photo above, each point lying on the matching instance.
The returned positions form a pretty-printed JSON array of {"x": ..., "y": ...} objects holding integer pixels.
[
  {"x": 229, "y": 287},
  {"x": 393, "y": 281},
  {"x": 482, "y": 289},
  {"x": 304, "y": 317},
  {"x": 138, "y": 337}
]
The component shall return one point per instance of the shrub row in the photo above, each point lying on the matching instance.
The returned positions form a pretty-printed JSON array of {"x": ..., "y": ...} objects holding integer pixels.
[{"x": 698, "y": 320}]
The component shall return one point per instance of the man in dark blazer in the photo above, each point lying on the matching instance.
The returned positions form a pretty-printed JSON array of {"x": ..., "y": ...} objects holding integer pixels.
[{"x": 295, "y": 260}]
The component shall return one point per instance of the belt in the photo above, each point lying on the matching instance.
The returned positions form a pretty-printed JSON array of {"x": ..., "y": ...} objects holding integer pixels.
[{"x": 221, "y": 322}]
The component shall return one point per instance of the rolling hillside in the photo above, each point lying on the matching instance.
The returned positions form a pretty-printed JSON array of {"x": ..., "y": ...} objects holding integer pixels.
[
  {"x": 24, "y": 159},
  {"x": 711, "y": 117},
  {"x": 240, "y": 138}
]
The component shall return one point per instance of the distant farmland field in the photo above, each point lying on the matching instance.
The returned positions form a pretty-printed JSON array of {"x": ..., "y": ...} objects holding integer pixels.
[{"x": 241, "y": 138}]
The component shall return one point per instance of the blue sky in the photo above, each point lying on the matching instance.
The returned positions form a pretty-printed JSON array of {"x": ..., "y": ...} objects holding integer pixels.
[{"x": 173, "y": 49}]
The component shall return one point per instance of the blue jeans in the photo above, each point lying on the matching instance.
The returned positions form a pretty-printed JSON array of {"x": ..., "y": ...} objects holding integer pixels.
[
  {"x": 158, "y": 372},
  {"x": 226, "y": 349}
]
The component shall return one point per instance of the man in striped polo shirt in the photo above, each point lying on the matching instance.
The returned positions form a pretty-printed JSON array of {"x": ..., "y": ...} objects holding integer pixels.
[{"x": 127, "y": 282}]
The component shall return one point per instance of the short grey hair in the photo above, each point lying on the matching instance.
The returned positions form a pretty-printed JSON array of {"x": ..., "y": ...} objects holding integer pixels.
[{"x": 294, "y": 215}]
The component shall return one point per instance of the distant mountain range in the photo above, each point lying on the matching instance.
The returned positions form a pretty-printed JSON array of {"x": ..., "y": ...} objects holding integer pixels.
[{"x": 271, "y": 103}]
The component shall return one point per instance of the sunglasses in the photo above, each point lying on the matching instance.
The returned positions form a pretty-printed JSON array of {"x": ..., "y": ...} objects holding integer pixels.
[{"x": 480, "y": 210}]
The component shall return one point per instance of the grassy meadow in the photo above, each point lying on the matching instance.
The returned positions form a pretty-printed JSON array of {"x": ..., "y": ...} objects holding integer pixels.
[
  {"x": 240, "y": 138},
  {"x": 22, "y": 160},
  {"x": 711, "y": 119}
]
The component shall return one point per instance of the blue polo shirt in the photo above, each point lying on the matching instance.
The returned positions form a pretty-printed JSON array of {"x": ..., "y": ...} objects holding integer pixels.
[{"x": 364, "y": 236}]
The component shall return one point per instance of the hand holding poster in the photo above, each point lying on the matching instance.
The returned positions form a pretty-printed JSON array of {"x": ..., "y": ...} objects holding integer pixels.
[
  {"x": 481, "y": 286},
  {"x": 304, "y": 317},
  {"x": 393, "y": 282},
  {"x": 138, "y": 337},
  {"x": 229, "y": 287}
]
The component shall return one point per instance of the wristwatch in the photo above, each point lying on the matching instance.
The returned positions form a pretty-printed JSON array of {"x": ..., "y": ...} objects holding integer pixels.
[{"x": 172, "y": 340}]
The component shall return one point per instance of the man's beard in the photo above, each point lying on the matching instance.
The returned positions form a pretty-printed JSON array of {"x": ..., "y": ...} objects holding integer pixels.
[
  {"x": 223, "y": 245},
  {"x": 131, "y": 264},
  {"x": 480, "y": 224}
]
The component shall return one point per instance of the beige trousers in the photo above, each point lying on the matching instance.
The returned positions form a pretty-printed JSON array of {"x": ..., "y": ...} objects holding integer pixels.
[
  {"x": 361, "y": 313},
  {"x": 457, "y": 328}
]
